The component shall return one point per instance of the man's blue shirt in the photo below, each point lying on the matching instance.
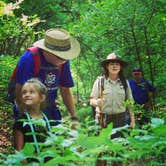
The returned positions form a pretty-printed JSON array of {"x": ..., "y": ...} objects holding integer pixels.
[
  {"x": 48, "y": 74},
  {"x": 140, "y": 90}
]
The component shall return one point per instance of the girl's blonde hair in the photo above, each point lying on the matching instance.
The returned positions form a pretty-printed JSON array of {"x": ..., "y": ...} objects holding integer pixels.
[{"x": 41, "y": 88}]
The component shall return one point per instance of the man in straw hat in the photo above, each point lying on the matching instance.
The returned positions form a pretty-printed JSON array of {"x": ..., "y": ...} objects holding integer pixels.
[{"x": 57, "y": 48}]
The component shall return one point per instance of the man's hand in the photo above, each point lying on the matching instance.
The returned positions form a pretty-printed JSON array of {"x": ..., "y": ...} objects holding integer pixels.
[
  {"x": 132, "y": 117},
  {"x": 132, "y": 124},
  {"x": 74, "y": 123}
]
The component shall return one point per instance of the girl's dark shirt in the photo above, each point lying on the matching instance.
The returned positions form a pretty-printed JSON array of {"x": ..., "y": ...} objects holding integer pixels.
[{"x": 22, "y": 124}]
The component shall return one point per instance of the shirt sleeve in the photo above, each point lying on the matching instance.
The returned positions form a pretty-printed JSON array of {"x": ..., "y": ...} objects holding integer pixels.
[
  {"x": 66, "y": 79},
  {"x": 95, "y": 89},
  {"x": 25, "y": 68}
]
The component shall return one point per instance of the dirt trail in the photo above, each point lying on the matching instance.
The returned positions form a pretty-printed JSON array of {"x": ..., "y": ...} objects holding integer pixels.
[{"x": 6, "y": 137}]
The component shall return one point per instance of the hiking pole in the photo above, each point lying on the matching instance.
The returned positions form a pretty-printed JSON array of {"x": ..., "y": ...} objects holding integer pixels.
[{"x": 98, "y": 116}]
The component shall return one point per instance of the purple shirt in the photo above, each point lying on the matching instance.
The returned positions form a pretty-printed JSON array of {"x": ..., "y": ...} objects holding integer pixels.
[{"x": 140, "y": 90}]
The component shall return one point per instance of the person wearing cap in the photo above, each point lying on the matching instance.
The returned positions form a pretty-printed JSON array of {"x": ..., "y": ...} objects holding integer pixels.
[
  {"x": 109, "y": 98},
  {"x": 56, "y": 48},
  {"x": 141, "y": 89}
]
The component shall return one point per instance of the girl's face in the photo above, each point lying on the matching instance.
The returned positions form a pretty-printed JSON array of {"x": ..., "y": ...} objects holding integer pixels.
[
  {"x": 31, "y": 96},
  {"x": 114, "y": 68}
]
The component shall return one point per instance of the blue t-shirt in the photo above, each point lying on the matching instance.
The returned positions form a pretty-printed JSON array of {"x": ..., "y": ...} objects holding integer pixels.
[
  {"x": 48, "y": 74},
  {"x": 140, "y": 90}
]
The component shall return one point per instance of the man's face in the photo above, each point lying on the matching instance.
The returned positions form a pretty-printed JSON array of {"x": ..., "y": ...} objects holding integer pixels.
[
  {"x": 53, "y": 59},
  {"x": 137, "y": 75}
]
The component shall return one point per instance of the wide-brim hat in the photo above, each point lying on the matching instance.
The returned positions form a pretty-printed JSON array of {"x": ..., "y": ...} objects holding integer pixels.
[
  {"x": 60, "y": 43},
  {"x": 136, "y": 69},
  {"x": 113, "y": 58}
]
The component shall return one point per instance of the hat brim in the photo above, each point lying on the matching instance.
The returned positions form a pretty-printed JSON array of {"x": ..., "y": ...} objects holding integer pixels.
[
  {"x": 73, "y": 52},
  {"x": 105, "y": 62}
]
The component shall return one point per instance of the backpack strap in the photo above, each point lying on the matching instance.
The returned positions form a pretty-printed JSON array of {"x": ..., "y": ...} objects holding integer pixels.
[
  {"x": 33, "y": 131},
  {"x": 125, "y": 88},
  {"x": 124, "y": 83},
  {"x": 37, "y": 62},
  {"x": 47, "y": 122},
  {"x": 101, "y": 86},
  {"x": 13, "y": 76},
  {"x": 60, "y": 69}
]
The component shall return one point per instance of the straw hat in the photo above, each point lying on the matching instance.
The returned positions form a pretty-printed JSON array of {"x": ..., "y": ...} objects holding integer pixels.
[
  {"x": 113, "y": 58},
  {"x": 59, "y": 43}
]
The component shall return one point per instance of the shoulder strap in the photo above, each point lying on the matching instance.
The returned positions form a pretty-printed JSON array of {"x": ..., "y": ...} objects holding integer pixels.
[
  {"x": 37, "y": 62},
  {"x": 47, "y": 121},
  {"x": 33, "y": 131},
  {"x": 125, "y": 85},
  {"x": 125, "y": 88},
  {"x": 101, "y": 86},
  {"x": 60, "y": 69},
  {"x": 14, "y": 73}
]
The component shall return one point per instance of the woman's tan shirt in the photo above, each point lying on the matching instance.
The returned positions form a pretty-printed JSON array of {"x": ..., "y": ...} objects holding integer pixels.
[{"x": 113, "y": 95}]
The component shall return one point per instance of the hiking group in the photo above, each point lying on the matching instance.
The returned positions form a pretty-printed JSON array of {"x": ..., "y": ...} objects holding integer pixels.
[{"x": 49, "y": 62}]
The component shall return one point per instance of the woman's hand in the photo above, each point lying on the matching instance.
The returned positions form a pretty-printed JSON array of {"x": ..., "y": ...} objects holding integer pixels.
[
  {"x": 100, "y": 103},
  {"x": 96, "y": 102}
]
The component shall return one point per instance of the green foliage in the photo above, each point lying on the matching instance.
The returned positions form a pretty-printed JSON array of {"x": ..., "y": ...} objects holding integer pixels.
[
  {"x": 7, "y": 65},
  {"x": 53, "y": 13},
  {"x": 70, "y": 147},
  {"x": 136, "y": 30},
  {"x": 15, "y": 33}
]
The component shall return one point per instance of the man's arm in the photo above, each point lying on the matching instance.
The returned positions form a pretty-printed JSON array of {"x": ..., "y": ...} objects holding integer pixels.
[
  {"x": 68, "y": 100},
  {"x": 132, "y": 117}
]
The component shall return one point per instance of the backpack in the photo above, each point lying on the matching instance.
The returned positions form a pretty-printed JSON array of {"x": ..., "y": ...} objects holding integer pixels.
[{"x": 10, "y": 96}]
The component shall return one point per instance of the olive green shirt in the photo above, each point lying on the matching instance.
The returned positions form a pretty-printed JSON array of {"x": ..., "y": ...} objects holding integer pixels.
[{"x": 113, "y": 95}]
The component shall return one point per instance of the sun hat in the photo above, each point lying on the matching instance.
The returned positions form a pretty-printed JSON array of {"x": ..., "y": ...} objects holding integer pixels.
[
  {"x": 113, "y": 58},
  {"x": 60, "y": 43}
]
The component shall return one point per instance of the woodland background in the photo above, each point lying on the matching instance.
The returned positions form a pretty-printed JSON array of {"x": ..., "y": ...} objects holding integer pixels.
[{"x": 135, "y": 29}]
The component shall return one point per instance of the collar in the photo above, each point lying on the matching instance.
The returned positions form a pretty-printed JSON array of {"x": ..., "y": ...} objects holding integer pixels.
[{"x": 114, "y": 81}]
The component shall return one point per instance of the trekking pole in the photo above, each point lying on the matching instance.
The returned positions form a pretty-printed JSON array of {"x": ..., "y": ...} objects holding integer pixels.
[{"x": 98, "y": 109}]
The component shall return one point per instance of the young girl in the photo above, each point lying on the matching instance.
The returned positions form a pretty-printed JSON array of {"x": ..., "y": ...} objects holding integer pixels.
[{"x": 32, "y": 120}]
